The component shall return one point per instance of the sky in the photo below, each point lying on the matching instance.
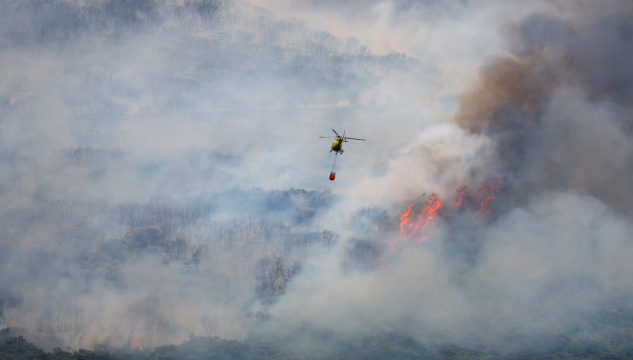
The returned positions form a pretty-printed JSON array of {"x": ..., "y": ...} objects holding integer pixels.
[{"x": 162, "y": 171}]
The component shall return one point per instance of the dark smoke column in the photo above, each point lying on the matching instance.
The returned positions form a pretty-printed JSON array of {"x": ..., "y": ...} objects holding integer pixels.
[{"x": 560, "y": 103}]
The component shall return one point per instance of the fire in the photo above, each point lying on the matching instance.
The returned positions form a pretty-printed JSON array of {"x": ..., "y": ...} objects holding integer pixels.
[
  {"x": 405, "y": 220},
  {"x": 479, "y": 199},
  {"x": 417, "y": 225},
  {"x": 104, "y": 345},
  {"x": 131, "y": 342},
  {"x": 412, "y": 225},
  {"x": 491, "y": 196}
]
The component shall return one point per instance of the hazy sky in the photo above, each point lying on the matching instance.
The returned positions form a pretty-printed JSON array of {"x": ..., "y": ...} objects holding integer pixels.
[{"x": 146, "y": 150}]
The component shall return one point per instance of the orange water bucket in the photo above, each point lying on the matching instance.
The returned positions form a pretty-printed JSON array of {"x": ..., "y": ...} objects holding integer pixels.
[{"x": 332, "y": 176}]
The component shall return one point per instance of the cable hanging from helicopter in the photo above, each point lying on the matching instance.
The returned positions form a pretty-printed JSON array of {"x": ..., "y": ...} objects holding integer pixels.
[
  {"x": 332, "y": 173},
  {"x": 337, "y": 147}
]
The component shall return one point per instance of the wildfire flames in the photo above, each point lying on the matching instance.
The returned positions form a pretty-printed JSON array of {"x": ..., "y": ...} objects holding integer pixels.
[
  {"x": 416, "y": 225},
  {"x": 132, "y": 347},
  {"x": 412, "y": 225},
  {"x": 479, "y": 199}
]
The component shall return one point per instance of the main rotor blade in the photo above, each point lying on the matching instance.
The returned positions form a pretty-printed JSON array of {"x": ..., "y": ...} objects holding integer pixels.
[
  {"x": 337, "y": 135},
  {"x": 329, "y": 137},
  {"x": 353, "y": 138}
]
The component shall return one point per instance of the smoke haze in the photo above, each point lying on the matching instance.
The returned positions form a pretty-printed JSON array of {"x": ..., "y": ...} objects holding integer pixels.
[{"x": 162, "y": 173}]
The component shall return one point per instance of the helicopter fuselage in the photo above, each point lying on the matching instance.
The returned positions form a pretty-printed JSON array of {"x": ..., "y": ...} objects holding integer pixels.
[{"x": 337, "y": 145}]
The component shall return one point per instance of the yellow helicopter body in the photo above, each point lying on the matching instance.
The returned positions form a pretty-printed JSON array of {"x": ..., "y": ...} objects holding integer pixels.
[{"x": 337, "y": 145}]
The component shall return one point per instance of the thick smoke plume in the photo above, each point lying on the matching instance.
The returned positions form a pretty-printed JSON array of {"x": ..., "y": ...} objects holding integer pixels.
[
  {"x": 154, "y": 157},
  {"x": 551, "y": 119},
  {"x": 559, "y": 105}
]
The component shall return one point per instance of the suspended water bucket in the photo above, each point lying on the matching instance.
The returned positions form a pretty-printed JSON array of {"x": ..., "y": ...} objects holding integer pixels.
[{"x": 332, "y": 175}]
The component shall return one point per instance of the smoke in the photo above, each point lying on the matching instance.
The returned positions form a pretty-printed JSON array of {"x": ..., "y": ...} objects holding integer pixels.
[
  {"x": 551, "y": 119},
  {"x": 155, "y": 154},
  {"x": 558, "y": 104},
  {"x": 153, "y": 159}
]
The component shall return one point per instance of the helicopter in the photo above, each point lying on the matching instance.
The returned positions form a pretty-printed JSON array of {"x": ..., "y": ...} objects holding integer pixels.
[{"x": 337, "y": 147}]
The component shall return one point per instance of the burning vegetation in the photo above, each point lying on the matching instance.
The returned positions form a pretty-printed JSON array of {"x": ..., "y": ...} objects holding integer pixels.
[
  {"x": 418, "y": 222},
  {"x": 416, "y": 225},
  {"x": 97, "y": 244}
]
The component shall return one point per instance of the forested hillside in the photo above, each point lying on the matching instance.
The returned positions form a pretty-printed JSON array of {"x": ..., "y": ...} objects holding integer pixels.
[
  {"x": 385, "y": 346},
  {"x": 164, "y": 173}
]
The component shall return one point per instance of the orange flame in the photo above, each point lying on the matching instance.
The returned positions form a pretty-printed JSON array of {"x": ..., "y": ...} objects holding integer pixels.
[
  {"x": 131, "y": 341},
  {"x": 479, "y": 199},
  {"x": 405, "y": 220},
  {"x": 490, "y": 197},
  {"x": 412, "y": 225},
  {"x": 417, "y": 226}
]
